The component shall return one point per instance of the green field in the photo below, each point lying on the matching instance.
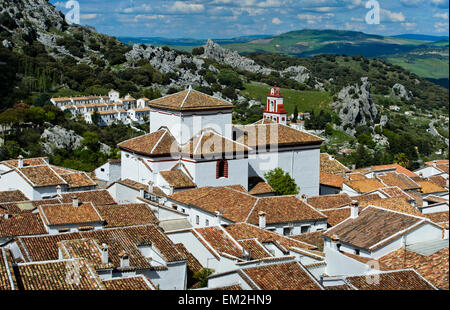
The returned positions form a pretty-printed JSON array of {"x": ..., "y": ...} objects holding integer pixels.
[
  {"x": 305, "y": 100},
  {"x": 428, "y": 67}
]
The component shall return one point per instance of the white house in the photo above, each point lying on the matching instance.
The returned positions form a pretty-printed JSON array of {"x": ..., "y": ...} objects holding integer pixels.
[
  {"x": 194, "y": 133},
  {"x": 109, "y": 172},
  {"x": 372, "y": 234}
]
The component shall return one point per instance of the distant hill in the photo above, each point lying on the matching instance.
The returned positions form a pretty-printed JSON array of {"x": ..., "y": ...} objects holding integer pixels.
[{"x": 421, "y": 37}]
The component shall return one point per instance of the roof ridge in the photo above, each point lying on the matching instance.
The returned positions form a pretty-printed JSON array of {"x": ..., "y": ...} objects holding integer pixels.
[{"x": 187, "y": 95}]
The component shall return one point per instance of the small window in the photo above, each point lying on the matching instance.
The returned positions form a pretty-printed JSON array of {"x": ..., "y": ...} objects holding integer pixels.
[
  {"x": 338, "y": 247},
  {"x": 102, "y": 169},
  {"x": 287, "y": 231},
  {"x": 175, "y": 206},
  {"x": 207, "y": 222},
  {"x": 304, "y": 229},
  {"x": 222, "y": 169},
  {"x": 197, "y": 219},
  {"x": 356, "y": 251}
]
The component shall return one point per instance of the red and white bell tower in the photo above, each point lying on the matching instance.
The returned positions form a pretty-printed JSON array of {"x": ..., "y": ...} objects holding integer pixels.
[{"x": 274, "y": 110}]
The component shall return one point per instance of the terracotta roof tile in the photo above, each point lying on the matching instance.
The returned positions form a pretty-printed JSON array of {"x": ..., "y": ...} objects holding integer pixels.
[
  {"x": 438, "y": 217},
  {"x": 261, "y": 188},
  {"x": 247, "y": 231},
  {"x": 238, "y": 187},
  {"x": 232, "y": 204},
  {"x": 395, "y": 280},
  {"x": 429, "y": 187},
  {"x": 177, "y": 179},
  {"x": 395, "y": 204},
  {"x": 12, "y": 196},
  {"x": 285, "y": 276},
  {"x": 40, "y": 176},
  {"x": 61, "y": 214},
  {"x": 37, "y": 161},
  {"x": 220, "y": 241},
  {"x": 235, "y": 287},
  {"x": 80, "y": 179},
  {"x": 158, "y": 143},
  {"x": 397, "y": 167},
  {"x": 331, "y": 166},
  {"x": 53, "y": 276},
  {"x": 138, "y": 186},
  {"x": 332, "y": 180},
  {"x": 192, "y": 263},
  {"x": 118, "y": 240},
  {"x": 438, "y": 180},
  {"x": 208, "y": 143},
  {"x": 398, "y": 179},
  {"x": 273, "y": 135},
  {"x": 7, "y": 278},
  {"x": 138, "y": 283},
  {"x": 364, "y": 185},
  {"x": 283, "y": 209},
  {"x": 314, "y": 238},
  {"x": 22, "y": 225},
  {"x": 127, "y": 214},
  {"x": 97, "y": 197},
  {"x": 189, "y": 100},
  {"x": 438, "y": 161},
  {"x": 84, "y": 248},
  {"x": 255, "y": 249},
  {"x": 336, "y": 216},
  {"x": 434, "y": 268},
  {"x": 330, "y": 201},
  {"x": 372, "y": 226}
]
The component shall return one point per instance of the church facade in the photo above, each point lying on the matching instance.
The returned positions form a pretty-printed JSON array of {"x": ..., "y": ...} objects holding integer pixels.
[{"x": 193, "y": 143}]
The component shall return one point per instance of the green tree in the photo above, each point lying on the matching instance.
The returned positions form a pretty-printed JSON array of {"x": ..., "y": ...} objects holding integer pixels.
[
  {"x": 95, "y": 117},
  {"x": 202, "y": 276},
  {"x": 90, "y": 140},
  {"x": 401, "y": 159},
  {"x": 281, "y": 182},
  {"x": 294, "y": 119}
]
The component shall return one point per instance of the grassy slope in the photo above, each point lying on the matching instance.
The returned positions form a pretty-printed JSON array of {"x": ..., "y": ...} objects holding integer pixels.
[{"x": 305, "y": 100}]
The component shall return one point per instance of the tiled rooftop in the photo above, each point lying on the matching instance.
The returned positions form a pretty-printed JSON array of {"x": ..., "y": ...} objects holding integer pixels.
[
  {"x": 434, "y": 268},
  {"x": 331, "y": 166},
  {"x": 97, "y": 197},
  {"x": 40, "y": 176},
  {"x": 372, "y": 226},
  {"x": 43, "y": 248},
  {"x": 364, "y": 185},
  {"x": 37, "y": 161},
  {"x": 330, "y": 201},
  {"x": 189, "y": 100},
  {"x": 7, "y": 278},
  {"x": 12, "y": 196},
  {"x": 336, "y": 216},
  {"x": 127, "y": 214},
  {"x": 395, "y": 204},
  {"x": 397, "y": 167},
  {"x": 220, "y": 241},
  {"x": 332, "y": 180},
  {"x": 398, "y": 179},
  {"x": 273, "y": 135},
  {"x": 21, "y": 225},
  {"x": 80, "y": 179},
  {"x": 261, "y": 188},
  {"x": 138, "y": 283},
  {"x": 62, "y": 214},
  {"x": 84, "y": 248},
  {"x": 56, "y": 276},
  {"x": 177, "y": 179},
  {"x": 394, "y": 280},
  {"x": 158, "y": 143},
  {"x": 284, "y": 276}
]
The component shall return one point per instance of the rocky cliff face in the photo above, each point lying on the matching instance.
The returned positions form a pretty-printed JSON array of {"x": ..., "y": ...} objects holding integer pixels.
[
  {"x": 60, "y": 138},
  {"x": 355, "y": 106},
  {"x": 400, "y": 91},
  {"x": 215, "y": 52},
  {"x": 27, "y": 20}
]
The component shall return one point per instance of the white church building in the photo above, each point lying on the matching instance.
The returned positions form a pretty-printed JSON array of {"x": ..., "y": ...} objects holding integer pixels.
[{"x": 193, "y": 143}]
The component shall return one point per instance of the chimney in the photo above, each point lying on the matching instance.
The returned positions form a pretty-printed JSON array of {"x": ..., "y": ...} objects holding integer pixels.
[
  {"x": 105, "y": 256},
  {"x": 58, "y": 190},
  {"x": 20, "y": 162},
  {"x": 218, "y": 217},
  {"x": 142, "y": 193},
  {"x": 446, "y": 182},
  {"x": 124, "y": 260},
  {"x": 434, "y": 164},
  {"x": 353, "y": 167},
  {"x": 150, "y": 187},
  {"x": 75, "y": 201},
  {"x": 354, "y": 211},
  {"x": 262, "y": 220},
  {"x": 335, "y": 242},
  {"x": 7, "y": 216},
  {"x": 421, "y": 174},
  {"x": 304, "y": 198}
]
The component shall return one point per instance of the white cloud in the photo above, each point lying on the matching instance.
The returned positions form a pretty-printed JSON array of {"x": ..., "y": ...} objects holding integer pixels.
[
  {"x": 183, "y": 7},
  {"x": 88, "y": 16},
  {"x": 392, "y": 16},
  {"x": 409, "y": 26},
  {"x": 276, "y": 21},
  {"x": 441, "y": 27},
  {"x": 312, "y": 19},
  {"x": 441, "y": 15}
]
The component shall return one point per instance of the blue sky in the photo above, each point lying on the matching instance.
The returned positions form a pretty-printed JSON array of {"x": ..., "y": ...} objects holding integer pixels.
[{"x": 232, "y": 18}]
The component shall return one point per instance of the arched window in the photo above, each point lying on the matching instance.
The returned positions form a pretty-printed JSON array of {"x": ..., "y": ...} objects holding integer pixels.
[{"x": 222, "y": 169}]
